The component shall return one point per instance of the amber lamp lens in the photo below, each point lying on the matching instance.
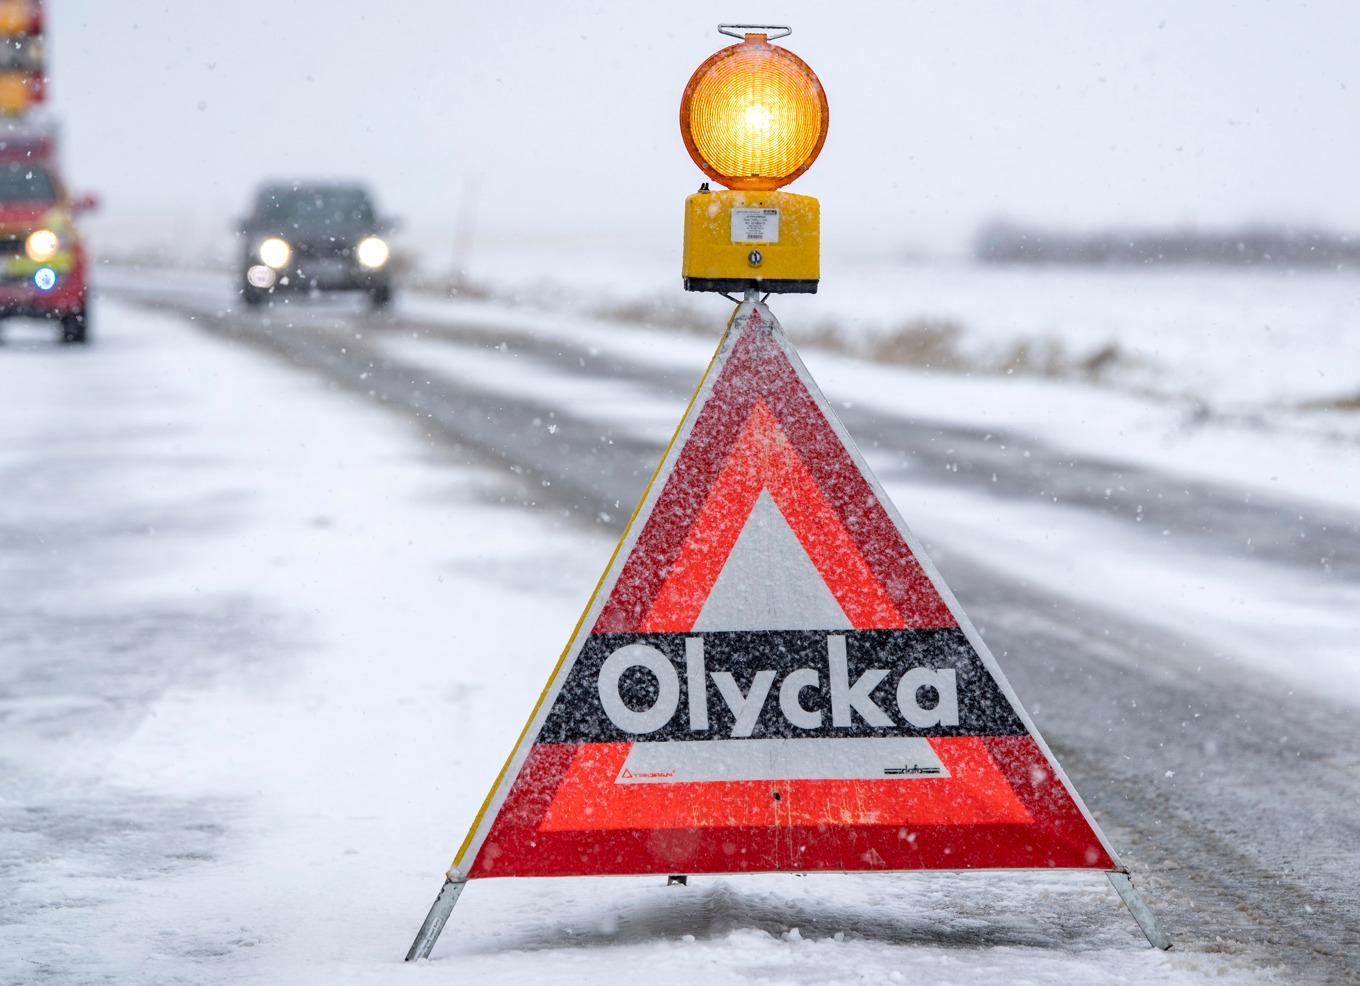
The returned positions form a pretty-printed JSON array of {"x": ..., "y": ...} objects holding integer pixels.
[{"x": 754, "y": 116}]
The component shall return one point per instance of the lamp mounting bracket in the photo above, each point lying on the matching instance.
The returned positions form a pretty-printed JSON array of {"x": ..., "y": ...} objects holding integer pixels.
[{"x": 739, "y": 31}]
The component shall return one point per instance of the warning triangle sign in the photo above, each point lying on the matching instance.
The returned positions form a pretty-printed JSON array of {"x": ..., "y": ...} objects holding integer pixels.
[{"x": 772, "y": 677}]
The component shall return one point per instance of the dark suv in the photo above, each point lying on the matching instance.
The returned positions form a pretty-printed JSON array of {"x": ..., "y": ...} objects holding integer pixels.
[{"x": 314, "y": 237}]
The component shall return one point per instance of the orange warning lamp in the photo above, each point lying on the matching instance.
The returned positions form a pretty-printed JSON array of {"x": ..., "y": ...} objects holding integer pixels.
[{"x": 753, "y": 117}]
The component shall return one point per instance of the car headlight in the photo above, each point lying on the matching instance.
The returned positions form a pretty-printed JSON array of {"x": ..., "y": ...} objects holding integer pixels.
[
  {"x": 275, "y": 252},
  {"x": 372, "y": 252},
  {"x": 41, "y": 245}
]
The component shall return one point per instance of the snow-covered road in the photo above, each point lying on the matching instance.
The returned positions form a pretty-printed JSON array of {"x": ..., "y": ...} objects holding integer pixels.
[{"x": 256, "y": 673}]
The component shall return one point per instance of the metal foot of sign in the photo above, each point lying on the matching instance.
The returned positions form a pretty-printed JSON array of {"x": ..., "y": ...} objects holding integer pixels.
[
  {"x": 1156, "y": 937},
  {"x": 436, "y": 919},
  {"x": 772, "y": 677}
]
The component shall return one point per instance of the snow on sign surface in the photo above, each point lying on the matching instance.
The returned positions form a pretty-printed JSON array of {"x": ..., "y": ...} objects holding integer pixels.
[{"x": 772, "y": 678}]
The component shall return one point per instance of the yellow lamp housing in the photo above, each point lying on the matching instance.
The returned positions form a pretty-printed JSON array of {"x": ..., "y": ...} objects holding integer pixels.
[
  {"x": 753, "y": 117},
  {"x": 737, "y": 239}
]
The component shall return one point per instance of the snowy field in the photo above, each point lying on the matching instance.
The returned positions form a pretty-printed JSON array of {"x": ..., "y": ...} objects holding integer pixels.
[
  {"x": 1237, "y": 343},
  {"x": 310, "y": 604}
]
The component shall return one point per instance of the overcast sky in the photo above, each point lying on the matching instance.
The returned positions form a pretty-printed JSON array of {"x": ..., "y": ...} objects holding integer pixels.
[{"x": 561, "y": 118}]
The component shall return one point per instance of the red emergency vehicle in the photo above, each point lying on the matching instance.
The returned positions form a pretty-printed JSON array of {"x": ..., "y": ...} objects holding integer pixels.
[{"x": 42, "y": 258}]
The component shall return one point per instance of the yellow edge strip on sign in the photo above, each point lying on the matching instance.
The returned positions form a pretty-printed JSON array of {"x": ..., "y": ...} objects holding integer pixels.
[{"x": 481, "y": 813}]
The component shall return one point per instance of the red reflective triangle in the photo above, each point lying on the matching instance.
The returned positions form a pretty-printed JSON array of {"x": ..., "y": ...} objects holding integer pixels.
[
  {"x": 796, "y": 788},
  {"x": 764, "y": 459},
  {"x": 760, "y": 425}
]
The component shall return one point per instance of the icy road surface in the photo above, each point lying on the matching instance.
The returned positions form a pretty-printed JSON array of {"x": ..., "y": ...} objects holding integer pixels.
[{"x": 265, "y": 644}]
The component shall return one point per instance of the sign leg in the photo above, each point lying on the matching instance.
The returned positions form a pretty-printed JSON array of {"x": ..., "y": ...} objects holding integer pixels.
[
  {"x": 1147, "y": 921},
  {"x": 435, "y": 920}
]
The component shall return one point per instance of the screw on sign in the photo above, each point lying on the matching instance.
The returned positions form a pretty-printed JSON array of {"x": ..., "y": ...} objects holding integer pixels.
[{"x": 771, "y": 676}]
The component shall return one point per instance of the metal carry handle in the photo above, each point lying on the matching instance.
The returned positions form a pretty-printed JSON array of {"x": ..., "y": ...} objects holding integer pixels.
[{"x": 739, "y": 31}]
